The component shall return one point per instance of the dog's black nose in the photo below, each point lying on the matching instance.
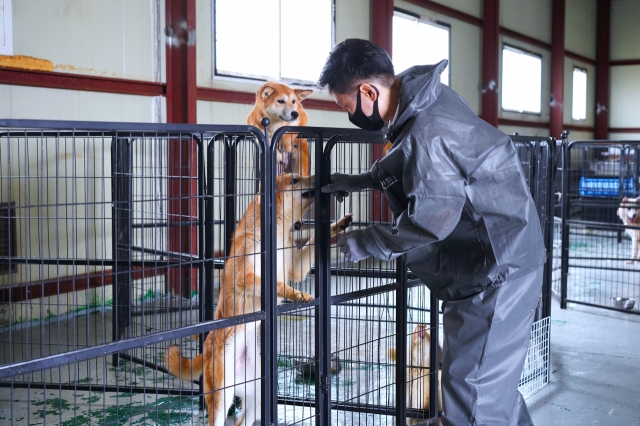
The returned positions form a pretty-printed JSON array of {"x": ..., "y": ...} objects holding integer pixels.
[{"x": 294, "y": 114}]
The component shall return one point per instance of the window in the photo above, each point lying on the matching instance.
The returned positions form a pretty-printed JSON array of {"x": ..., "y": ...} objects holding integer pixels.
[
  {"x": 273, "y": 39},
  {"x": 6, "y": 33},
  {"x": 521, "y": 81},
  {"x": 579, "y": 101},
  {"x": 417, "y": 42}
]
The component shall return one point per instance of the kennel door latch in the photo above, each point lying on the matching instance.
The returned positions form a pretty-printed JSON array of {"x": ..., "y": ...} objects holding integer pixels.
[{"x": 324, "y": 383}]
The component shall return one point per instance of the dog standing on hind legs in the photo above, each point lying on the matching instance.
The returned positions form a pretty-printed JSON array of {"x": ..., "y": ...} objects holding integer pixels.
[
  {"x": 628, "y": 213},
  {"x": 230, "y": 362}
]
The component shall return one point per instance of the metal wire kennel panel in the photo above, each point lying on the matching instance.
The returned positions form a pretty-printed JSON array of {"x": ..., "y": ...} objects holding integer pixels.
[
  {"x": 600, "y": 264},
  {"x": 538, "y": 159},
  {"x": 336, "y": 355},
  {"x": 106, "y": 263}
]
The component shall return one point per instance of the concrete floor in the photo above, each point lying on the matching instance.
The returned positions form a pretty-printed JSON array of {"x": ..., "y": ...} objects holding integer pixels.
[
  {"x": 595, "y": 369},
  {"x": 595, "y": 379}
]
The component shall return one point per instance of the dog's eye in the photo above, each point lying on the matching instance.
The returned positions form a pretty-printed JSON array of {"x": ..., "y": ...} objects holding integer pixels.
[
  {"x": 280, "y": 101},
  {"x": 295, "y": 146},
  {"x": 294, "y": 181},
  {"x": 294, "y": 101}
]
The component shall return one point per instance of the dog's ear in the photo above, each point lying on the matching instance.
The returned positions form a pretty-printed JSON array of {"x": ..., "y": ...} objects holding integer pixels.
[
  {"x": 303, "y": 94},
  {"x": 266, "y": 91}
]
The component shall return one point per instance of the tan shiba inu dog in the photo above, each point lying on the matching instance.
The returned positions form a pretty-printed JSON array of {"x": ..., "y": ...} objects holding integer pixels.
[
  {"x": 282, "y": 105},
  {"x": 628, "y": 213},
  {"x": 230, "y": 362},
  {"x": 418, "y": 371}
]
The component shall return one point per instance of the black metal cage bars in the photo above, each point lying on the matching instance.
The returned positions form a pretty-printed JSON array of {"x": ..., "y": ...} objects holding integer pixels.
[
  {"x": 600, "y": 227},
  {"x": 115, "y": 240}
]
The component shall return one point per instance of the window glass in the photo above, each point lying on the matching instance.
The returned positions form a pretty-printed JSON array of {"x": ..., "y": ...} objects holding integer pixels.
[
  {"x": 272, "y": 40},
  {"x": 6, "y": 35},
  {"x": 521, "y": 81},
  {"x": 416, "y": 42},
  {"x": 579, "y": 101}
]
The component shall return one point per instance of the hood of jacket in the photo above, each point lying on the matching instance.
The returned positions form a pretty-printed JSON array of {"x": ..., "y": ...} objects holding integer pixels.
[{"x": 419, "y": 88}]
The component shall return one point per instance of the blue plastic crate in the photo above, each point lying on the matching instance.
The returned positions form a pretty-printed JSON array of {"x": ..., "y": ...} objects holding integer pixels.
[{"x": 606, "y": 187}]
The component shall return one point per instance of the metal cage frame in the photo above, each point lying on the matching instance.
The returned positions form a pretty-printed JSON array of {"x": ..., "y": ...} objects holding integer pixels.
[{"x": 207, "y": 141}]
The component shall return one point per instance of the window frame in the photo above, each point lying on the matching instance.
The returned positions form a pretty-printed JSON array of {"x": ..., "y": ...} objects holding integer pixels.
[
  {"x": 586, "y": 93},
  {"x": 432, "y": 22},
  {"x": 507, "y": 46},
  {"x": 6, "y": 19},
  {"x": 254, "y": 78}
]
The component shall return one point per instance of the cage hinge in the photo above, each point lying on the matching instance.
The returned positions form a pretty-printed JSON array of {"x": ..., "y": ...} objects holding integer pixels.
[{"x": 324, "y": 383}]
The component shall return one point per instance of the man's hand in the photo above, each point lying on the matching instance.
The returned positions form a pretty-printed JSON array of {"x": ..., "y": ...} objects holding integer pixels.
[
  {"x": 342, "y": 184},
  {"x": 351, "y": 245}
]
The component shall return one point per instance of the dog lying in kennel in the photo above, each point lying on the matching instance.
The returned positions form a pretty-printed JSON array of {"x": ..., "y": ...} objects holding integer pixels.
[{"x": 230, "y": 362}]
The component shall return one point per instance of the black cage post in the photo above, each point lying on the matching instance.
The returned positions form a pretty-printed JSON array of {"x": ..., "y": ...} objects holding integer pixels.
[{"x": 122, "y": 207}]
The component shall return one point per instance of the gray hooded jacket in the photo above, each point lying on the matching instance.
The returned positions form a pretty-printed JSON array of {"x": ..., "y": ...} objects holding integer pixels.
[{"x": 464, "y": 218}]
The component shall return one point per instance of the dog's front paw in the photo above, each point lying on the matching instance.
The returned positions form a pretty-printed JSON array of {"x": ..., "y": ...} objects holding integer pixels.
[
  {"x": 341, "y": 224},
  {"x": 301, "y": 296}
]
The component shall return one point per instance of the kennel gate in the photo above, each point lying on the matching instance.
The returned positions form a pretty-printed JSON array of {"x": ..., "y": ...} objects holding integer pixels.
[
  {"x": 361, "y": 304},
  {"x": 598, "y": 268},
  {"x": 371, "y": 285}
]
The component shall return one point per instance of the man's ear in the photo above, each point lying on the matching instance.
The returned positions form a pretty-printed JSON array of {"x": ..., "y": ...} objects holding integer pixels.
[
  {"x": 367, "y": 90},
  {"x": 303, "y": 94}
]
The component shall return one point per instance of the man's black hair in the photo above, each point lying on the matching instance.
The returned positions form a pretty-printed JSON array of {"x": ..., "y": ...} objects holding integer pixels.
[{"x": 354, "y": 61}]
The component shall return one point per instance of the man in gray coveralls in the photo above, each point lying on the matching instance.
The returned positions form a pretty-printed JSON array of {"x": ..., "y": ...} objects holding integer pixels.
[{"x": 463, "y": 220}]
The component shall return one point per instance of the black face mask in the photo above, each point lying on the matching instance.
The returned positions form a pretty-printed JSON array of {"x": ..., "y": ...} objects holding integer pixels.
[{"x": 373, "y": 122}]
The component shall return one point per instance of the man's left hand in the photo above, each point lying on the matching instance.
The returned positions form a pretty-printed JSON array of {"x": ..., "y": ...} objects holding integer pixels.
[{"x": 352, "y": 247}]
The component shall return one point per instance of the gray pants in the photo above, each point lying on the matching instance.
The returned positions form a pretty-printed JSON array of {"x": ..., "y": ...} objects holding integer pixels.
[{"x": 486, "y": 337}]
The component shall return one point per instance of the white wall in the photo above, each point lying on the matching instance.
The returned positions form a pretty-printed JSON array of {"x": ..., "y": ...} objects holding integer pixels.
[
  {"x": 97, "y": 37},
  {"x": 625, "y": 80},
  {"x": 580, "y": 25},
  {"x": 528, "y": 17},
  {"x": 106, "y": 38}
]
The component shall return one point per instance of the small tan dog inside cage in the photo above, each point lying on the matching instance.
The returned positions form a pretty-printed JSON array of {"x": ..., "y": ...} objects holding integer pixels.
[
  {"x": 230, "y": 362},
  {"x": 418, "y": 372}
]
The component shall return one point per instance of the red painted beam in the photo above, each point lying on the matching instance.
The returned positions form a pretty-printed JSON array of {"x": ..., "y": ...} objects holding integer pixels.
[
  {"x": 382, "y": 24},
  {"x": 70, "y": 284},
  {"x": 580, "y": 58},
  {"x": 382, "y": 35},
  {"x": 222, "y": 95},
  {"x": 557, "y": 67},
  {"x": 624, "y": 130},
  {"x": 602, "y": 69},
  {"x": 234, "y": 96},
  {"x": 447, "y": 11},
  {"x": 182, "y": 153},
  {"x": 181, "y": 61},
  {"x": 523, "y": 123},
  {"x": 525, "y": 38},
  {"x": 625, "y": 62},
  {"x": 490, "y": 60},
  {"x": 59, "y": 80},
  {"x": 579, "y": 128}
]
